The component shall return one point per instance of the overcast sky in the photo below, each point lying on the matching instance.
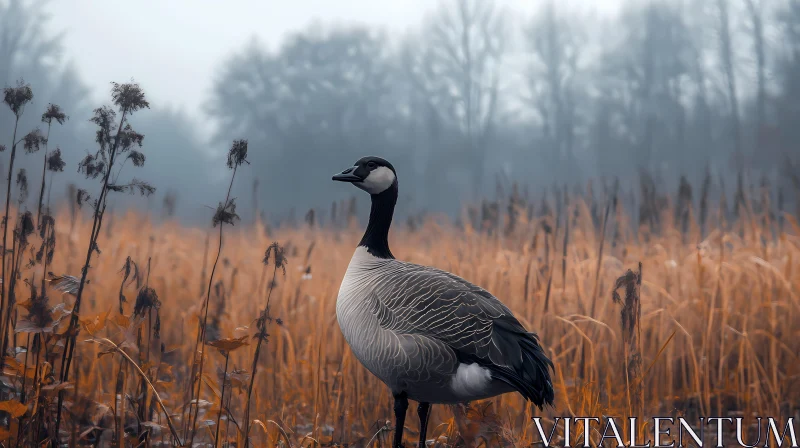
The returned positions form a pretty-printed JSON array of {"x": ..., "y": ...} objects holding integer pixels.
[{"x": 174, "y": 47}]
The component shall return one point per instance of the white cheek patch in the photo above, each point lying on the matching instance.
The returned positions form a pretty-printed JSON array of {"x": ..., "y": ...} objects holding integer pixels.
[{"x": 378, "y": 180}]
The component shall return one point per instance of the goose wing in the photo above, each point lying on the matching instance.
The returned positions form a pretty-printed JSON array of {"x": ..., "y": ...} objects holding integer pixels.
[{"x": 480, "y": 329}]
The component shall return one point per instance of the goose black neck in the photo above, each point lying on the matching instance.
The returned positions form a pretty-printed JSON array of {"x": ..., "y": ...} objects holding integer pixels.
[{"x": 376, "y": 237}]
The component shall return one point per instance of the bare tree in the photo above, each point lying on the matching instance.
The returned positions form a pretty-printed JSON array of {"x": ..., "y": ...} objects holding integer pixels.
[
  {"x": 755, "y": 10},
  {"x": 324, "y": 95},
  {"x": 643, "y": 84},
  {"x": 23, "y": 39},
  {"x": 729, "y": 73},
  {"x": 457, "y": 66},
  {"x": 556, "y": 45}
]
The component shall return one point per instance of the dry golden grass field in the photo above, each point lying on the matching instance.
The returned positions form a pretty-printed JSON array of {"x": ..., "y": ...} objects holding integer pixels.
[
  {"x": 713, "y": 328},
  {"x": 717, "y": 330}
]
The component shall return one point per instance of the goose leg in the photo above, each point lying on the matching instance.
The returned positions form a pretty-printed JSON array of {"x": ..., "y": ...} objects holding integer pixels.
[
  {"x": 400, "y": 407},
  {"x": 423, "y": 410}
]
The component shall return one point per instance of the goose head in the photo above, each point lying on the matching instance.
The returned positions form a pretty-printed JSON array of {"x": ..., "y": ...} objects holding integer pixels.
[{"x": 371, "y": 174}]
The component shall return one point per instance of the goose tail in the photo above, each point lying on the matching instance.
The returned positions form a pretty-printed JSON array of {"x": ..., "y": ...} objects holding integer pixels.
[
  {"x": 536, "y": 367},
  {"x": 527, "y": 368}
]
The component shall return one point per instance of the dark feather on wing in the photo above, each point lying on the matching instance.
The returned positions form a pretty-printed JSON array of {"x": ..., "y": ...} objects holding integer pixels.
[{"x": 468, "y": 319}]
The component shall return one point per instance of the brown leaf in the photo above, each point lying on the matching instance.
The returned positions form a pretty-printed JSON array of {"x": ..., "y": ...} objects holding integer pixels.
[
  {"x": 229, "y": 344},
  {"x": 96, "y": 323},
  {"x": 239, "y": 378},
  {"x": 4, "y": 434},
  {"x": 13, "y": 407},
  {"x": 15, "y": 368},
  {"x": 122, "y": 321},
  {"x": 26, "y": 304},
  {"x": 54, "y": 389}
]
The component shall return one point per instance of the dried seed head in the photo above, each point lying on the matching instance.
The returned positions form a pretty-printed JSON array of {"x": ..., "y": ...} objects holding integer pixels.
[
  {"x": 226, "y": 213},
  {"x": 128, "y": 97},
  {"x": 92, "y": 166},
  {"x": 631, "y": 309},
  {"x": 17, "y": 97},
  {"x": 27, "y": 223},
  {"x": 82, "y": 196},
  {"x": 237, "y": 155},
  {"x": 136, "y": 185},
  {"x": 276, "y": 252},
  {"x": 55, "y": 162},
  {"x": 54, "y": 112},
  {"x": 24, "y": 229},
  {"x": 40, "y": 316},
  {"x": 128, "y": 138},
  {"x": 136, "y": 157},
  {"x": 105, "y": 119},
  {"x": 22, "y": 184},
  {"x": 146, "y": 300},
  {"x": 33, "y": 141}
]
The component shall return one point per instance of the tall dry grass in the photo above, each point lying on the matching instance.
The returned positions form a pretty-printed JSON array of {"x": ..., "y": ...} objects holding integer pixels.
[{"x": 717, "y": 334}]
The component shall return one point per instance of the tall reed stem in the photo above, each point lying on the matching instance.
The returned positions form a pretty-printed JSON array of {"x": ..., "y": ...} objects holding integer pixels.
[
  {"x": 3, "y": 277},
  {"x": 202, "y": 338},
  {"x": 261, "y": 337},
  {"x": 222, "y": 398},
  {"x": 44, "y": 174},
  {"x": 99, "y": 211}
]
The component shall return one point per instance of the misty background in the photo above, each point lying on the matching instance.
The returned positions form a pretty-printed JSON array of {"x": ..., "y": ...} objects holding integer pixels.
[{"x": 460, "y": 95}]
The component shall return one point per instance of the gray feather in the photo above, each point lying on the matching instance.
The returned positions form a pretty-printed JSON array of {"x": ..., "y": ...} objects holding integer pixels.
[{"x": 417, "y": 323}]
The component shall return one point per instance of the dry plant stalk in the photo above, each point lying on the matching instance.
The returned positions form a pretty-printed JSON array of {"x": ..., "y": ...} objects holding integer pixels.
[
  {"x": 114, "y": 141},
  {"x": 724, "y": 310},
  {"x": 276, "y": 253},
  {"x": 117, "y": 349},
  {"x": 225, "y": 214},
  {"x": 631, "y": 315}
]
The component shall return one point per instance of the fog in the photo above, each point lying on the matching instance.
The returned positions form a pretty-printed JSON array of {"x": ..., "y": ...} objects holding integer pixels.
[{"x": 462, "y": 96}]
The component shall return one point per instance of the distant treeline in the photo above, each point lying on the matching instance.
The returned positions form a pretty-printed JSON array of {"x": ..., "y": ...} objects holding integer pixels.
[
  {"x": 475, "y": 95},
  {"x": 670, "y": 87}
]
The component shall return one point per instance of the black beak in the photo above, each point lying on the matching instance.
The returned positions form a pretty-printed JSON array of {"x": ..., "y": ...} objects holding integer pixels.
[{"x": 347, "y": 176}]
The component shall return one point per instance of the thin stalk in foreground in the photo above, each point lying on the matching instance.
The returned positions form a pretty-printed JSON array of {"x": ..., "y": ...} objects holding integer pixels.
[
  {"x": 16, "y": 98},
  {"x": 53, "y": 112},
  {"x": 44, "y": 174},
  {"x": 202, "y": 329},
  {"x": 128, "y": 98},
  {"x": 116, "y": 348},
  {"x": 99, "y": 211},
  {"x": 225, "y": 214},
  {"x": 222, "y": 397},
  {"x": 263, "y": 320}
]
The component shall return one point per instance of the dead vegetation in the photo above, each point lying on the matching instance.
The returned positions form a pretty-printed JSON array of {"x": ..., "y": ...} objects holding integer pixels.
[{"x": 646, "y": 307}]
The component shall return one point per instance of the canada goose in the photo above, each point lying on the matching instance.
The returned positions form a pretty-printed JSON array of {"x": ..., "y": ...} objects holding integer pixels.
[{"x": 428, "y": 334}]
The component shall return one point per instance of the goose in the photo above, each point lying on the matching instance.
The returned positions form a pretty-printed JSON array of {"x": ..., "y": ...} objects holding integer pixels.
[{"x": 429, "y": 335}]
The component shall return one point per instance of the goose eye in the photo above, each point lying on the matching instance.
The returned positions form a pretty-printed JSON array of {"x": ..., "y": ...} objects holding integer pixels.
[{"x": 371, "y": 165}]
